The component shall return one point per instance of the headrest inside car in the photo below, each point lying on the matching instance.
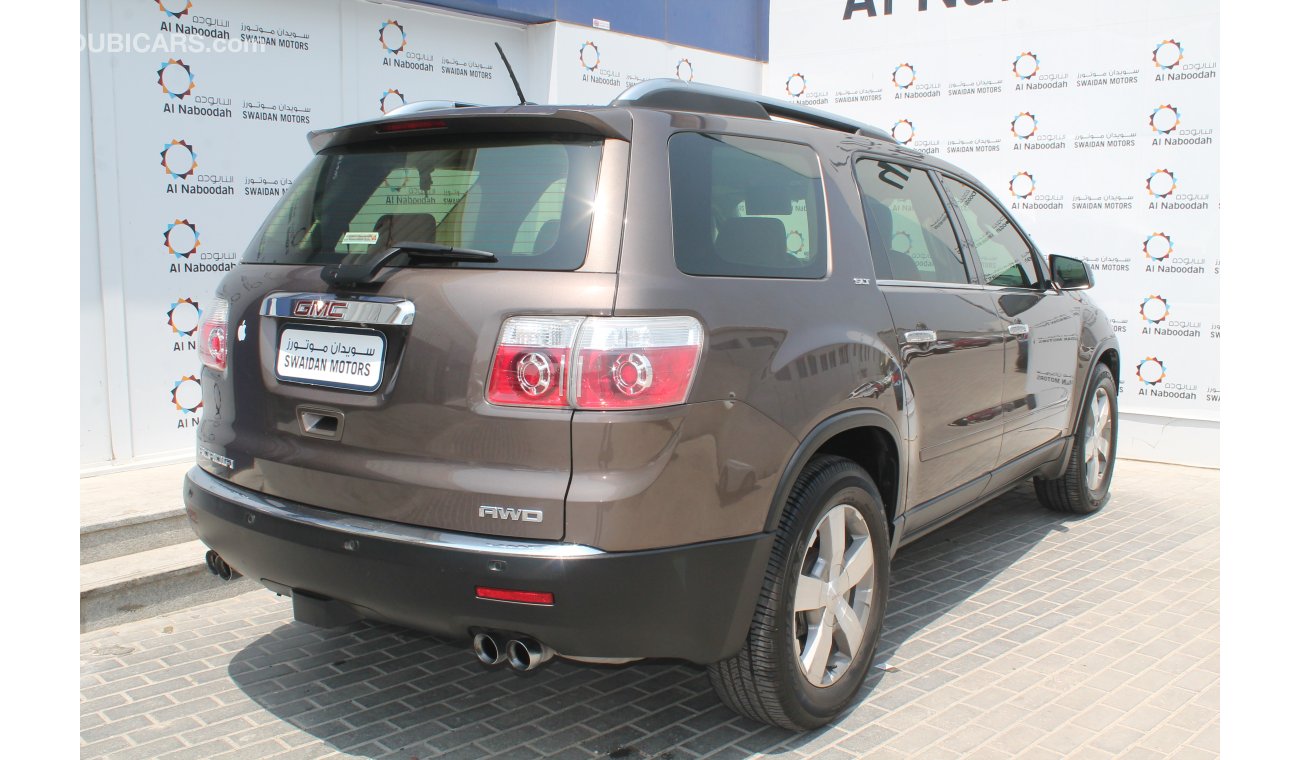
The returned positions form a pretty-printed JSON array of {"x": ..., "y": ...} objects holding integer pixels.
[{"x": 767, "y": 199}]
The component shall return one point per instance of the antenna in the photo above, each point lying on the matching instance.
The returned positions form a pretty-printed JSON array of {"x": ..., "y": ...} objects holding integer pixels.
[{"x": 510, "y": 70}]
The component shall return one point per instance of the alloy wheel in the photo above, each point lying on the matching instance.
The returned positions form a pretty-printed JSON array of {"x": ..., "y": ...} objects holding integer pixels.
[
  {"x": 833, "y": 595},
  {"x": 1097, "y": 443}
]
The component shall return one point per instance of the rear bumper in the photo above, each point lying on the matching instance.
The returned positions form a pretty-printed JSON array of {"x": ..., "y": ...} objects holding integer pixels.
[{"x": 691, "y": 602}]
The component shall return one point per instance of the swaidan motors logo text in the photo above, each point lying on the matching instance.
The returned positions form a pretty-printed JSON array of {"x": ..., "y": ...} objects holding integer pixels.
[
  {"x": 175, "y": 78},
  {"x": 1151, "y": 371},
  {"x": 904, "y": 131},
  {"x": 390, "y": 99},
  {"x": 589, "y": 56},
  {"x": 1024, "y": 125},
  {"x": 1022, "y": 185},
  {"x": 168, "y": 7},
  {"x": 1168, "y": 54},
  {"x": 1154, "y": 309},
  {"x": 1025, "y": 66},
  {"x": 796, "y": 85},
  {"x": 187, "y": 394},
  {"x": 685, "y": 70},
  {"x": 178, "y": 159},
  {"x": 181, "y": 238},
  {"x": 183, "y": 316},
  {"x": 904, "y": 76},
  {"x": 1158, "y": 246},
  {"x": 392, "y": 36},
  {"x": 1162, "y": 183},
  {"x": 1165, "y": 119}
]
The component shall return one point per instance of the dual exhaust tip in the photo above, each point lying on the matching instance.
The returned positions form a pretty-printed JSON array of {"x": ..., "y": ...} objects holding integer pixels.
[
  {"x": 218, "y": 566},
  {"x": 524, "y": 654}
]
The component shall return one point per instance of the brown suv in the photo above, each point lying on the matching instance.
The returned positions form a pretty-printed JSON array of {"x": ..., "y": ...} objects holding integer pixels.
[{"x": 674, "y": 377}]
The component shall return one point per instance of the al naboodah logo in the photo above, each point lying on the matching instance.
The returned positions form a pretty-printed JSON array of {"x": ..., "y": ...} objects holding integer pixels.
[
  {"x": 796, "y": 85},
  {"x": 589, "y": 56},
  {"x": 1025, "y": 65},
  {"x": 1025, "y": 125},
  {"x": 178, "y": 159},
  {"x": 1022, "y": 185},
  {"x": 1151, "y": 371},
  {"x": 187, "y": 394},
  {"x": 794, "y": 243},
  {"x": 390, "y": 99},
  {"x": 183, "y": 317},
  {"x": 175, "y": 78},
  {"x": 1158, "y": 246},
  {"x": 392, "y": 36},
  {"x": 162, "y": 6},
  {"x": 904, "y": 76},
  {"x": 1168, "y": 54},
  {"x": 181, "y": 238},
  {"x": 1165, "y": 119},
  {"x": 904, "y": 131},
  {"x": 685, "y": 70},
  {"x": 1162, "y": 183},
  {"x": 906, "y": 247},
  {"x": 1154, "y": 309}
]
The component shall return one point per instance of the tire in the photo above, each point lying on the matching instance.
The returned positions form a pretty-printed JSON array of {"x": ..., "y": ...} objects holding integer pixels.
[
  {"x": 765, "y": 681},
  {"x": 1085, "y": 486}
]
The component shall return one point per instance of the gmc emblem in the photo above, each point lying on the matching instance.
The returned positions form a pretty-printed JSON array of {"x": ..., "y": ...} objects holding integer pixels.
[{"x": 320, "y": 309}]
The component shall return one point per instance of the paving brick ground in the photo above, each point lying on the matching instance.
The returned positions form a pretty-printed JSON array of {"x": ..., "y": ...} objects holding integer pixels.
[{"x": 1014, "y": 632}]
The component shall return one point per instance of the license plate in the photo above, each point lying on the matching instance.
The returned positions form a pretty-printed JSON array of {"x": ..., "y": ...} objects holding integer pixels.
[{"x": 353, "y": 360}]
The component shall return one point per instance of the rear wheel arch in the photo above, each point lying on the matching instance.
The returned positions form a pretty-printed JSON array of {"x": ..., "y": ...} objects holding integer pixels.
[{"x": 867, "y": 437}]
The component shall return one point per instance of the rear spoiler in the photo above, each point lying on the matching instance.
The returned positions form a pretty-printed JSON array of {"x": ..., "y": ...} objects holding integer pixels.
[{"x": 610, "y": 123}]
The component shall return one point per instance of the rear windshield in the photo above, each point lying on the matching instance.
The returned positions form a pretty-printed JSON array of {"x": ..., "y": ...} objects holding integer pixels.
[{"x": 527, "y": 200}]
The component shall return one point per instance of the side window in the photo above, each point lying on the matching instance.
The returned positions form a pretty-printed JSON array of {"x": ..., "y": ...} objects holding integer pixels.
[
  {"x": 1005, "y": 256},
  {"x": 911, "y": 236},
  {"x": 746, "y": 207}
]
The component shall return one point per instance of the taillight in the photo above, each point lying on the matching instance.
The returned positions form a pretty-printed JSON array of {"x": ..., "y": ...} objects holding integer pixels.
[
  {"x": 531, "y": 366},
  {"x": 213, "y": 334},
  {"x": 596, "y": 362}
]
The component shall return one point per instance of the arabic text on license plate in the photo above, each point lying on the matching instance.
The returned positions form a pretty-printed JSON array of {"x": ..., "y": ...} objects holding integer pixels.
[{"x": 351, "y": 360}]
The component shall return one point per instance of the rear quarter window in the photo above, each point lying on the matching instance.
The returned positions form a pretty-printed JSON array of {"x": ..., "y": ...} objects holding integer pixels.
[{"x": 746, "y": 207}]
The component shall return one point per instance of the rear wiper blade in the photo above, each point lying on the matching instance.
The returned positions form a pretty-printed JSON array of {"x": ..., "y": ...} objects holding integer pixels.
[{"x": 355, "y": 274}]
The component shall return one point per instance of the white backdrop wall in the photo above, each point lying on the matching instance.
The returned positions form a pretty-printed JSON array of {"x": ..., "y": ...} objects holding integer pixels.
[
  {"x": 191, "y": 133},
  {"x": 1098, "y": 125}
]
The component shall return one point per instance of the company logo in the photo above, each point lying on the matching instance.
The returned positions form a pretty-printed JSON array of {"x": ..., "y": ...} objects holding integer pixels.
[
  {"x": 685, "y": 70},
  {"x": 1025, "y": 125},
  {"x": 1025, "y": 66},
  {"x": 181, "y": 238},
  {"x": 392, "y": 36},
  {"x": 904, "y": 76},
  {"x": 904, "y": 131},
  {"x": 1158, "y": 246},
  {"x": 902, "y": 242},
  {"x": 1162, "y": 183},
  {"x": 1022, "y": 185},
  {"x": 187, "y": 394},
  {"x": 175, "y": 78},
  {"x": 796, "y": 84},
  {"x": 1154, "y": 309},
  {"x": 1165, "y": 119},
  {"x": 183, "y": 316},
  {"x": 178, "y": 159},
  {"x": 162, "y": 6},
  {"x": 589, "y": 56},
  {"x": 1151, "y": 371},
  {"x": 316, "y": 309},
  {"x": 794, "y": 243},
  {"x": 390, "y": 99},
  {"x": 1168, "y": 54}
]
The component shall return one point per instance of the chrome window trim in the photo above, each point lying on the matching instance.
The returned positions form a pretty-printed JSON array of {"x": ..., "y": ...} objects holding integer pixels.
[
  {"x": 355, "y": 525},
  {"x": 370, "y": 310}
]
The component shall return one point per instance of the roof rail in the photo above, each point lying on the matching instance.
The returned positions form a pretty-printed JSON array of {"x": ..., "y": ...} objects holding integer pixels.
[
  {"x": 675, "y": 95},
  {"x": 420, "y": 106}
]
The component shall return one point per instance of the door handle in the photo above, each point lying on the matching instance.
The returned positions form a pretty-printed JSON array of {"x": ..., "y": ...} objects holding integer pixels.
[
  {"x": 920, "y": 336},
  {"x": 1018, "y": 329}
]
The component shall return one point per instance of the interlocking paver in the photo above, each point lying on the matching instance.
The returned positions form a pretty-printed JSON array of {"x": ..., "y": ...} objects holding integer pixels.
[{"x": 1014, "y": 632}]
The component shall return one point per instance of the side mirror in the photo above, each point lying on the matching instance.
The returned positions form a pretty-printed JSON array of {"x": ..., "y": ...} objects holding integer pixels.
[{"x": 1070, "y": 274}]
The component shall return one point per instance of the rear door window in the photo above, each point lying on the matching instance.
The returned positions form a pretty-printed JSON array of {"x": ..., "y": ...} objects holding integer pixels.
[
  {"x": 746, "y": 207},
  {"x": 527, "y": 200},
  {"x": 911, "y": 236}
]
